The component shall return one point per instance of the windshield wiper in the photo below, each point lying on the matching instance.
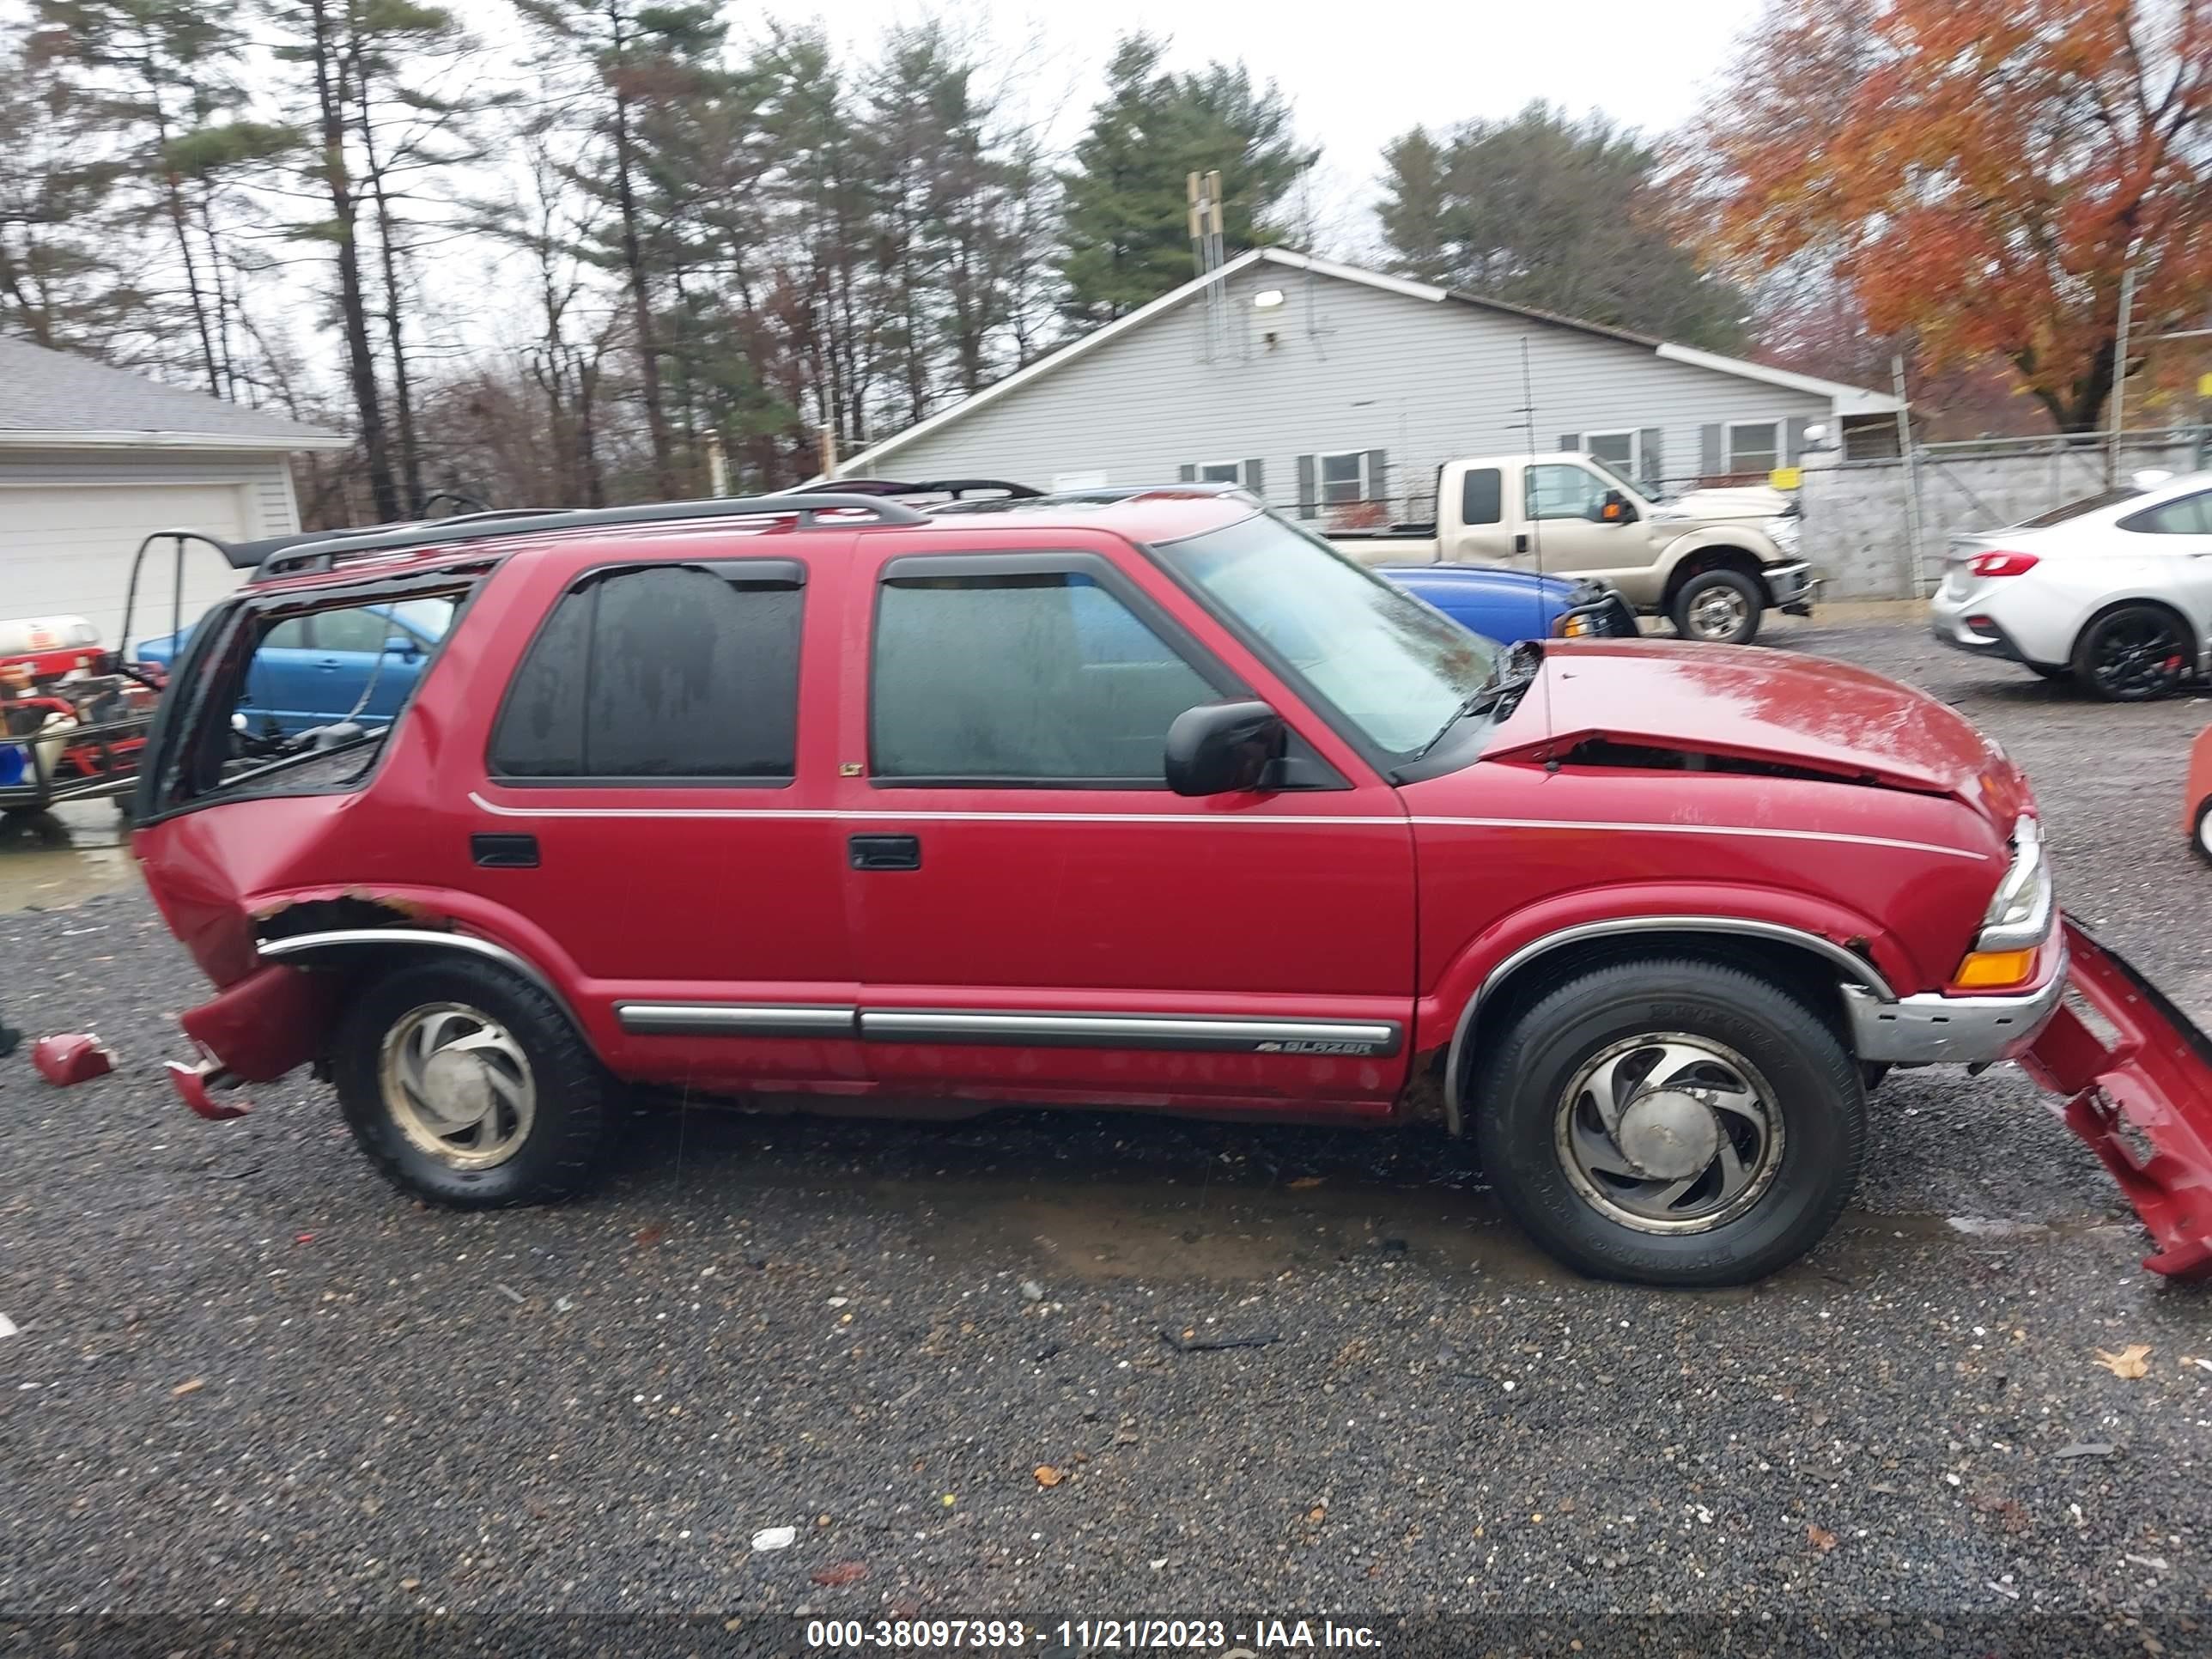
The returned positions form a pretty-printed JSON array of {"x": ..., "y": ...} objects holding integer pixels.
[{"x": 1509, "y": 676}]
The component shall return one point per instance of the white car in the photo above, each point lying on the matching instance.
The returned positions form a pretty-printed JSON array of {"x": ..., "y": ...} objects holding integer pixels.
[{"x": 2114, "y": 591}]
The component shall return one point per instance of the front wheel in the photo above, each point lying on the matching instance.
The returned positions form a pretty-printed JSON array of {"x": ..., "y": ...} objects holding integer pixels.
[
  {"x": 2200, "y": 836},
  {"x": 1719, "y": 607},
  {"x": 468, "y": 1086},
  {"x": 1671, "y": 1121}
]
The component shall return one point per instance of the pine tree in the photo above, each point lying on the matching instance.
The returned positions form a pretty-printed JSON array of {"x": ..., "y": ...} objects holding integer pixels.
[{"x": 1127, "y": 232}]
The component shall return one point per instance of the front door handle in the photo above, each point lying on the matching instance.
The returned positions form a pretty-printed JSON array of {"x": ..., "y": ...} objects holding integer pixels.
[
  {"x": 885, "y": 852},
  {"x": 504, "y": 852}
]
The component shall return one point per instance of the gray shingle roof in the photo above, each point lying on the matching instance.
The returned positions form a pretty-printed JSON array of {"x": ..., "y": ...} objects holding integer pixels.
[{"x": 52, "y": 391}]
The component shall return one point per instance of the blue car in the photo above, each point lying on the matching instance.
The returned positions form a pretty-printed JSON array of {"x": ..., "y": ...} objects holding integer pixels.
[
  {"x": 1510, "y": 606},
  {"x": 359, "y": 664}
]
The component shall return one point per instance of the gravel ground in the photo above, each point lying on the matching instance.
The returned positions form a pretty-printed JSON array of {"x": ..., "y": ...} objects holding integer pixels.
[{"x": 248, "y": 1380}]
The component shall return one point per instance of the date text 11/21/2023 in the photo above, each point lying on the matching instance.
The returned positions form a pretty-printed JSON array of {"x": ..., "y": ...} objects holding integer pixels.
[{"x": 1250, "y": 1636}]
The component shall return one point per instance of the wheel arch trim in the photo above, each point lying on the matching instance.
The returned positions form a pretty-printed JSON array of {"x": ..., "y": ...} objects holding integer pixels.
[
  {"x": 1851, "y": 967},
  {"x": 294, "y": 944}
]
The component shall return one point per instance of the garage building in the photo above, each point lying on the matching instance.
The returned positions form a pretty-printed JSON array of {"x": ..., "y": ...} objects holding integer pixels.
[{"x": 92, "y": 459}]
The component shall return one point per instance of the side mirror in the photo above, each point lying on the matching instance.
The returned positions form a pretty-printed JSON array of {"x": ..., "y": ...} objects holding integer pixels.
[
  {"x": 1220, "y": 748},
  {"x": 402, "y": 646},
  {"x": 1615, "y": 508}
]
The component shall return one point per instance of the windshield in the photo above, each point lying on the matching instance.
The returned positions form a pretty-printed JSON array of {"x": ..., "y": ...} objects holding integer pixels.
[
  {"x": 2076, "y": 509},
  {"x": 1394, "y": 667}
]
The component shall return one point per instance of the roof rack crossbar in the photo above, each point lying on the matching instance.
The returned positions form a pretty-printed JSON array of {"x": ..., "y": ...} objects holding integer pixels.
[{"x": 322, "y": 555}]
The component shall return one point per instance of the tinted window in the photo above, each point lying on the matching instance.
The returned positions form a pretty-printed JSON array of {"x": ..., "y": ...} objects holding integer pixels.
[
  {"x": 1482, "y": 495},
  {"x": 668, "y": 672},
  {"x": 1030, "y": 678},
  {"x": 2190, "y": 516}
]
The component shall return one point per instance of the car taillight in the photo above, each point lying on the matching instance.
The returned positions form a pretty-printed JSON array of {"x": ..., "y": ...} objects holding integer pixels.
[{"x": 2002, "y": 564}]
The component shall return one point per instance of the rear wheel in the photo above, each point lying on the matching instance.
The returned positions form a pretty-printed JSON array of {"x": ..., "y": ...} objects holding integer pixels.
[
  {"x": 1719, "y": 607},
  {"x": 2133, "y": 653},
  {"x": 1671, "y": 1121},
  {"x": 467, "y": 1086}
]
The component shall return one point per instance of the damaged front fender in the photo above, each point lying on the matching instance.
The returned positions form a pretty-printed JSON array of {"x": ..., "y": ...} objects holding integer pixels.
[{"x": 2149, "y": 1087}]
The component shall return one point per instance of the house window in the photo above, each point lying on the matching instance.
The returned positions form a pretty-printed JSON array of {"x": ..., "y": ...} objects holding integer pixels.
[
  {"x": 1617, "y": 450},
  {"x": 1249, "y": 474},
  {"x": 1754, "y": 446},
  {"x": 1221, "y": 472},
  {"x": 1344, "y": 478}
]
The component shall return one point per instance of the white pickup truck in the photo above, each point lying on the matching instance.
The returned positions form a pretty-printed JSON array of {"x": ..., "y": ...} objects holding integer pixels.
[{"x": 1715, "y": 560}]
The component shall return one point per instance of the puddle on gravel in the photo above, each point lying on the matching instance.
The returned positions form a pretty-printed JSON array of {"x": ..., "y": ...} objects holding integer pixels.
[{"x": 64, "y": 857}]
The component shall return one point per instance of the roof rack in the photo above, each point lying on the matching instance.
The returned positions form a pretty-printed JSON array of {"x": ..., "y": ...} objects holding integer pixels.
[{"x": 323, "y": 553}]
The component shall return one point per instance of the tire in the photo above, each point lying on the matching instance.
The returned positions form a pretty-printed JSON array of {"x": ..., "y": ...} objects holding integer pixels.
[
  {"x": 1534, "y": 1105},
  {"x": 2049, "y": 670},
  {"x": 2200, "y": 834},
  {"x": 533, "y": 1143},
  {"x": 2133, "y": 654},
  {"x": 1719, "y": 607}
]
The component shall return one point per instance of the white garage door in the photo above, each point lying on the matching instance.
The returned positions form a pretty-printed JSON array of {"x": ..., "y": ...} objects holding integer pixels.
[{"x": 66, "y": 549}]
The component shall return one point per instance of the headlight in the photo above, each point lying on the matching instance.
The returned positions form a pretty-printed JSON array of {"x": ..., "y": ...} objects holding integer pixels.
[{"x": 2018, "y": 919}]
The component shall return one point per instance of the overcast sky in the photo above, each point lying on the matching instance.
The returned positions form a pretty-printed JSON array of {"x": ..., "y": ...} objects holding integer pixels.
[{"x": 1357, "y": 75}]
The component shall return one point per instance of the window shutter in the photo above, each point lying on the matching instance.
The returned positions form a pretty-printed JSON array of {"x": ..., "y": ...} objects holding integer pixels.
[
  {"x": 1651, "y": 441},
  {"x": 1188, "y": 473},
  {"x": 1306, "y": 492},
  {"x": 1255, "y": 478},
  {"x": 1709, "y": 450},
  {"x": 1570, "y": 440},
  {"x": 1378, "y": 474},
  {"x": 1793, "y": 439}
]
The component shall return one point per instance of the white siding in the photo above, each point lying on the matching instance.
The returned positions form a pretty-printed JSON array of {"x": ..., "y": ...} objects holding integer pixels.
[{"x": 1348, "y": 367}]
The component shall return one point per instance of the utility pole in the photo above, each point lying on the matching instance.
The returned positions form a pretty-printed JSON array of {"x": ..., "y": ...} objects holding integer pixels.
[
  {"x": 718, "y": 466},
  {"x": 2120, "y": 376},
  {"x": 1912, "y": 474}
]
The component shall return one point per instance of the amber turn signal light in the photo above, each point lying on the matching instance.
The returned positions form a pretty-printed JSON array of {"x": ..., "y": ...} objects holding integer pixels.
[{"x": 1984, "y": 969}]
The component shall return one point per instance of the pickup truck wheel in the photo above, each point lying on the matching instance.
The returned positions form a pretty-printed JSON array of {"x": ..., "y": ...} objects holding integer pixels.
[
  {"x": 1719, "y": 607},
  {"x": 468, "y": 1087},
  {"x": 1671, "y": 1122}
]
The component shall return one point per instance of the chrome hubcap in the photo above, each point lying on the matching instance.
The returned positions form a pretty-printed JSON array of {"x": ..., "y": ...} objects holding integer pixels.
[
  {"x": 458, "y": 1085},
  {"x": 1718, "y": 611},
  {"x": 1669, "y": 1132}
]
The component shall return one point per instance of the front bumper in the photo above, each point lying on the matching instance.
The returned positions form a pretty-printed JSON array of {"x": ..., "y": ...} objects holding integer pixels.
[
  {"x": 1934, "y": 1029},
  {"x": 1791, "y": 586},
  {"x": 2141, "y": 1099}
]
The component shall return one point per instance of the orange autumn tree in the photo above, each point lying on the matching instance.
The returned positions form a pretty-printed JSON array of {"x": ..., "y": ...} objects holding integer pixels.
[{"x": 1981, "y": 171}]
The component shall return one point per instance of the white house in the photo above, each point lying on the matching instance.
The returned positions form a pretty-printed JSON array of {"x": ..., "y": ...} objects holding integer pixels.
[
  {"x": 1319, "y": 384},
  {"x": 92, "y": 459}
]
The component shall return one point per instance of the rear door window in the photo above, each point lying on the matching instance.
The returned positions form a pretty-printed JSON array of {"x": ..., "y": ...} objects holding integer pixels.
[
  {"x": 1481, "y": 496},
  {"x": 663, "y": 674}
]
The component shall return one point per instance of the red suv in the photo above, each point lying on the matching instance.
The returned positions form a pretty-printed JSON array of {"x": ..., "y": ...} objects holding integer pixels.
[{"x": 1151, "y": 801}]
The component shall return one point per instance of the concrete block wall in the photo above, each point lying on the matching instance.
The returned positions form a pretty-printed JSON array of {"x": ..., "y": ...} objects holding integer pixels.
[{"x": 1856, "y": 522}]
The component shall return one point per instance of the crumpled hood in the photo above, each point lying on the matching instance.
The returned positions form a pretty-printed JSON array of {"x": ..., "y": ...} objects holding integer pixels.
[{"x": 1758, "y": 703}]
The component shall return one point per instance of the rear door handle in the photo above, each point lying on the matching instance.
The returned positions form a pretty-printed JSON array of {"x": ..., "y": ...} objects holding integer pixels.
[
  {"x": 1521, "y": 542},
  {"x": 885, "y": 852}
]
